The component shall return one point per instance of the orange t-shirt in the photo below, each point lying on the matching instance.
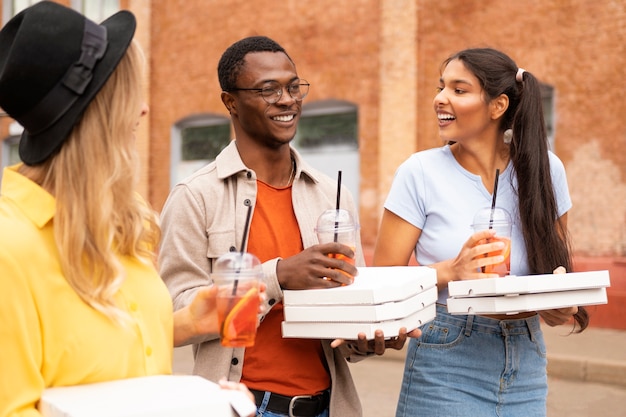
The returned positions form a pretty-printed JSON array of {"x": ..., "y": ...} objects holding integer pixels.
[{"x": 284, "y": 366}]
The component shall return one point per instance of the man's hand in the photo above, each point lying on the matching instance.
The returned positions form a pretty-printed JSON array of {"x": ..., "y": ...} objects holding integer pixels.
[
  {"x": 379, "y": 344},
  {"x": 313, "y": 268}
]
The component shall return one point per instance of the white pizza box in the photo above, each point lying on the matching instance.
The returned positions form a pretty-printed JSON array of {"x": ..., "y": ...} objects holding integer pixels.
[
  {"x": 511, "y": 304},
  {"x": 361, "y": 313},
  {"x": 372, "y": 285},
  {"x": 150, "y": 396},
  {"x": 350, "y": 331},
  {"x": 529, "y": 284}
]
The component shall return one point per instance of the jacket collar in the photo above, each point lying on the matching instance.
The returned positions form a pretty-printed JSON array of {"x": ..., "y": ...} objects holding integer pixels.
[{"x": 229, "y": 163}]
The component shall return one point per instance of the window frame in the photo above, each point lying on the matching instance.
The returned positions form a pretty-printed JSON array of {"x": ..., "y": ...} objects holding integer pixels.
[{"x": 176, "y": 141}]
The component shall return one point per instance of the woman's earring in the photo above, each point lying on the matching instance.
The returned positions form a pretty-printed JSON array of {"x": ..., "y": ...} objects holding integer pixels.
[{"x": 508, "y": 136}]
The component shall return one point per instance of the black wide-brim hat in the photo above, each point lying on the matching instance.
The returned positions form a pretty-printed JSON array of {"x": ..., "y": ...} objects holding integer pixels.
[{"x": 53, "y": 61}]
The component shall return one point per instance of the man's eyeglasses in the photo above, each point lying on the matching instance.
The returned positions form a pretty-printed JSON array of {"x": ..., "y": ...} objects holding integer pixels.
[{"x": 273, "y": 91}]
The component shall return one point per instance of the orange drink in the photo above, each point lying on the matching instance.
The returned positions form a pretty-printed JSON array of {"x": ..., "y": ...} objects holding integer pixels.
[
  {"x": 237, "y": 277},
  {"x": 238, "y": 317},
  {"x": 342, "y": 257},
  {"x": 499, "y": 220},
  {"x": 502, "y": 268},
  {"x": 337, "y": 225}
]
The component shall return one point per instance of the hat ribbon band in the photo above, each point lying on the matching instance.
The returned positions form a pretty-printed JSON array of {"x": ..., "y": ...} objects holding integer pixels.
[{"x": 63, "y": 95}]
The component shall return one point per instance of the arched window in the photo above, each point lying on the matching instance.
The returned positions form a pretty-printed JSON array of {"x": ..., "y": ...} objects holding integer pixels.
[
  {"x": 196, "y": 141},
  {"x": 9, "y": 154},
  {"x": 328, "y": 139},
  {"x": 96, "y": 10}
]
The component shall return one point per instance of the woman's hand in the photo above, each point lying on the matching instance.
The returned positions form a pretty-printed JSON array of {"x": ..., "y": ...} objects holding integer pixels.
[
  {"x": 241, "y": 408},
  {"x": 474, "y": 255},
  {"x": 558, "y": 316},
  {"x": 200, "y": 317},
  {"x": 236, "y": 386}
]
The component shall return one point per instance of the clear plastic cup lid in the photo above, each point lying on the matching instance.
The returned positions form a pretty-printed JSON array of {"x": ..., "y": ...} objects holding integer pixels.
[
  {"x": 338, "y": 220},
  {"x": 484, "y": 216},
  {"x": 237, "y": 263}
]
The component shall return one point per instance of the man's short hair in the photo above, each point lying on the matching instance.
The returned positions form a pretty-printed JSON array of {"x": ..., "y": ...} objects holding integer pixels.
[{"x": 232, "y": 59}]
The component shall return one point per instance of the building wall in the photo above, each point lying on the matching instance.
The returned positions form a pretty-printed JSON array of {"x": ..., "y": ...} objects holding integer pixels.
[{"x": 385, "y": 57}]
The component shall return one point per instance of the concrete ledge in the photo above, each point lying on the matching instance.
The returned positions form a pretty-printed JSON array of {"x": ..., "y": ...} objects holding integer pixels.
[{"x": 588, "y": 370}]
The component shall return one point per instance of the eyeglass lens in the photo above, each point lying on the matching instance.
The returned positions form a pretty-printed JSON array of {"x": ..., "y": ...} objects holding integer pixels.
[{"x": 274, "y": 91}]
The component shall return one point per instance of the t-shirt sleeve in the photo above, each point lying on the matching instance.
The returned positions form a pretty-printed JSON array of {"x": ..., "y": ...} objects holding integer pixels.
[{"x": 405, "y": 198}]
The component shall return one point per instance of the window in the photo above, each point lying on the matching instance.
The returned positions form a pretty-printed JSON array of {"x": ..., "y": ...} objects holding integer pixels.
[
  {"x": 328, "y": 139},
  {"x": 328, "y": 130},
  {"x": 203, "y": 142},
  {"x": 9, "y": 152},
  {"x": 12, "y": 7},
  {"x": 327, "y": 123},
  {"x": 196, "y": 141},
  {"x": 96, "y": 10}
]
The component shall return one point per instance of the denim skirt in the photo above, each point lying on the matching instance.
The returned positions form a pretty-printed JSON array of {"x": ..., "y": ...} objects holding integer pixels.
[{"x": 475, "y": 366}]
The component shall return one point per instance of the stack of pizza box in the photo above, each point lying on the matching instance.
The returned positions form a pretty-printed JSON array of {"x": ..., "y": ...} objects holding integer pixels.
[
  {"x": 148, "y": 396},
  {"x": 517, "y": 294},
  {"x": 385, "y": 298}
]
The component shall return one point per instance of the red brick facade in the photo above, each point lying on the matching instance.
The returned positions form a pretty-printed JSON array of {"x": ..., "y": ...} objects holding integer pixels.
[{"x": 384, "y": 56}]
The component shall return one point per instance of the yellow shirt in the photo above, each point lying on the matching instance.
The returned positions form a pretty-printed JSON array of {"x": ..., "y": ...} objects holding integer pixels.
[{"x": 48, "y": 335}]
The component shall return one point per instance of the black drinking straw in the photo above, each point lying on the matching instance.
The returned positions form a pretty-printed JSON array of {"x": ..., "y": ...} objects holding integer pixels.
[
  {"x": 493, "y": 199},
  {"x": 338, "y": 199},
  {"x": 243, "y": 246},
  {"x": 493, "y": 207},
  {"x": 245, "y": 230}
]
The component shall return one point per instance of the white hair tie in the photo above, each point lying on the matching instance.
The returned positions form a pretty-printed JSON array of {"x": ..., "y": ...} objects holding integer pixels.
[{"x": 520, "y": 75}]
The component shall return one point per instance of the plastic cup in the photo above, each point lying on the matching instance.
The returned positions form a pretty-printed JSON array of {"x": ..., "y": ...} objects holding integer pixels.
[
  {"x": 337, "y": 225},
  {"x": 500, "y": 221},
  {"x": 237, "y": 277}
]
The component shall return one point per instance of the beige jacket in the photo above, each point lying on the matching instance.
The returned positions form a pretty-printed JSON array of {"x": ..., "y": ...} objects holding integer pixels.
[{"x": 204, "y": 217}]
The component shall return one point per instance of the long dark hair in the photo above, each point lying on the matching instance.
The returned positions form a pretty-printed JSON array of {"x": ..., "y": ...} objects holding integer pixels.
[{"x": 545, "y": 238}]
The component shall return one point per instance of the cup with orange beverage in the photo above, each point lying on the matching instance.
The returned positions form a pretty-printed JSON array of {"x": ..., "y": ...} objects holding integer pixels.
[
  {"x": 499, "y": 220},
  {"x": 237, "y": 276},
  {"x": 337, "y": 225}
]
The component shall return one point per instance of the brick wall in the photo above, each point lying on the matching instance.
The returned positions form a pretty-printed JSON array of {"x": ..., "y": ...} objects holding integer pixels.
[{"x": 384, "y": 56}]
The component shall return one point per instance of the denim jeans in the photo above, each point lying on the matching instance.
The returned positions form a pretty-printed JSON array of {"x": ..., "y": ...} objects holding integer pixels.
[{"x": 475, "y": 366}]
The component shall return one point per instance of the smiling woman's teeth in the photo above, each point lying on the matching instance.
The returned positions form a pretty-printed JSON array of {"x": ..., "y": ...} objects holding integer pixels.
[{"x": 283, "y": 118}]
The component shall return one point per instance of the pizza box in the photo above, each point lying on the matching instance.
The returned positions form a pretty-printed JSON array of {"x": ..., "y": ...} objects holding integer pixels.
[
  {"x": 350, "y": 331},
  {"x": 150, "y": 396},
  {"x": 361, "y": 313},
  {"x": 511, "y": 304},
  {"x": 529, "y": 284},
  {"x": 372, "y": 285}
]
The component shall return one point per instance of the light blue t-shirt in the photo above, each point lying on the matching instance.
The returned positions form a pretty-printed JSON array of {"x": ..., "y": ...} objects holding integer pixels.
[{"x": 434, "y": 193}]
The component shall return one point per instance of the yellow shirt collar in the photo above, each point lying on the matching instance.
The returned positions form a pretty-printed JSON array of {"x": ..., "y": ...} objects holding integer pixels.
[{"x": 36, "y": 203}]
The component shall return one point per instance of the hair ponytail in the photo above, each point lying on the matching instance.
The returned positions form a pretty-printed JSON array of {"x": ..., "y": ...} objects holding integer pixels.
[{"x": 545, "y": 238}]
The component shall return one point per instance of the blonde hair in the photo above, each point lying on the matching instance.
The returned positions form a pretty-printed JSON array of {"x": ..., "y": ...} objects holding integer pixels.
[{"x": 99, "y": 215}]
